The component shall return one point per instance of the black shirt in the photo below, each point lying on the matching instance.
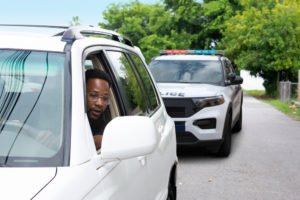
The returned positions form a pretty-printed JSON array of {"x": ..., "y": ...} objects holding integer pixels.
[{"x": 97, "y": 126}]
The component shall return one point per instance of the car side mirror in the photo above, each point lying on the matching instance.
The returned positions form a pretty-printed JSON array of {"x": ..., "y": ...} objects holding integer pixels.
[
  {"x": 128, "y": 137},
  {"x": 237, "y": 80},
  {"x": 231, "y": 76},
  {"x": 234, "y": 79}
]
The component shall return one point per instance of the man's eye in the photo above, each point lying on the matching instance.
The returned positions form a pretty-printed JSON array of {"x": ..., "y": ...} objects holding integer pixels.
[
  {"x": 105, "y": 98},
  {"x": 94, "y": 95}
]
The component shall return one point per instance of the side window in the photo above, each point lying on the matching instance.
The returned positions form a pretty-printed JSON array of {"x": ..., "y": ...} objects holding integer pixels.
[
  {"x": 95, "y": 61},
  {"x": 147, "y": 83},
  {"x": 228, "y": 68},
  {"x": 128, "y": 84}
]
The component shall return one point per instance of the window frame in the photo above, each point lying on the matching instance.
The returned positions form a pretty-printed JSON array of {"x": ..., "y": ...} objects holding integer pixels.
[
  {"x": 150, "y": 108},
  {"x": 102, "y": 51},
  {"x": 125, "y": 53}
]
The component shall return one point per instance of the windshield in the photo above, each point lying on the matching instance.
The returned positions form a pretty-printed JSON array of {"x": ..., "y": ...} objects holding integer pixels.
[
  {"x": 187, "y": 71},
  {"x": 31, "y": 108}
]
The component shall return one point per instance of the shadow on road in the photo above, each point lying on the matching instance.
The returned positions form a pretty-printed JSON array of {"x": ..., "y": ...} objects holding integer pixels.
[
  {"x": 196, "y": 152},
  {"x": 189, "y": 152}
]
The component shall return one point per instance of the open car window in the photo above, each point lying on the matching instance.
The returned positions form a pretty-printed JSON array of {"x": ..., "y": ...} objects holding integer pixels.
[{"x": 94, "y": 61}]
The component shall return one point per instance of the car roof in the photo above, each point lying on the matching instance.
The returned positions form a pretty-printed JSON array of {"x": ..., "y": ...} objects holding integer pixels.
[
  {"x": 57, "y": 41},
  {"x": 30, "y": 41}
]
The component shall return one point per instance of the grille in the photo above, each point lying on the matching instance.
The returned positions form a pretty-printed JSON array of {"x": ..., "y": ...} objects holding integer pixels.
[
  {"x": 186, "y": 138},
  {"x": 179, "y": 107}
]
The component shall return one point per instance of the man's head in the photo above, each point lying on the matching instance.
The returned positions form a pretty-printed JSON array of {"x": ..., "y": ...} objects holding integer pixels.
[{"x": 97, "y": 88}]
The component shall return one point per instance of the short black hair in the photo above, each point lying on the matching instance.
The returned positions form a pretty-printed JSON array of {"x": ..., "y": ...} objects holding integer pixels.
[{"x": 97, "y": 73}]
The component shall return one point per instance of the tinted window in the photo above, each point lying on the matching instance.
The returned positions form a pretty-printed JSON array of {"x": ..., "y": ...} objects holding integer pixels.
[
  {"x": 128, "y": 84},
  {"x": 150, "y": 91},
  {"x": 31, "y": 107},
  {"x": 228, "y": 68},
  {"x": 187, "y": 71}
]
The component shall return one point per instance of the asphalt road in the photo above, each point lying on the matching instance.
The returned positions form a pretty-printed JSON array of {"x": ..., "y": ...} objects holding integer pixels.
[{"x": 264, "y": 163}]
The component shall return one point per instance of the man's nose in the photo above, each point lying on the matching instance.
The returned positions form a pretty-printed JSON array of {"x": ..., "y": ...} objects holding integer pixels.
[{"x": 100, "y": 102}]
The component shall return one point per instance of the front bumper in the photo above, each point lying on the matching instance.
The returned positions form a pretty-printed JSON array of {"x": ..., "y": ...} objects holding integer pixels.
[{"x": 204, "y": 127}]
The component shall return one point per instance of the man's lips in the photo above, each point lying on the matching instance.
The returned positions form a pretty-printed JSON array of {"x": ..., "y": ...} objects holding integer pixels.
[{"x": 95, "y": 113}]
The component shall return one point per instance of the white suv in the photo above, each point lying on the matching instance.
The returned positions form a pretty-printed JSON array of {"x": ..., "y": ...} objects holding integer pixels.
[
  {"x": 42, "y": 93},
  {"x": 202, "y": 94}
]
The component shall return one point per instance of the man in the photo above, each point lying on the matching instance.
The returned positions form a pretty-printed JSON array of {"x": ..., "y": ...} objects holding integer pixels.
[{"x": 97, "y": 89}]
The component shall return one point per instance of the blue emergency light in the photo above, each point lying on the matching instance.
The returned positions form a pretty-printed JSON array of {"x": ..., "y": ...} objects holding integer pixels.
[{"x": 191, "y": 52}]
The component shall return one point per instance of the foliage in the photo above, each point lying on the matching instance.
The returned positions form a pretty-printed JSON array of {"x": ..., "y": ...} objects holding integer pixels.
[
  {"x": 264, "y": 40},
  {"x": 148, "y": 26},
  {"x": 203, "y": 20},
  {"x": 260, "y": 36},
  {"x": 183, "y": 24},
  {"x": 187, "y": 17},
  {"x": 256, "y": 93},
  {"x": 216, "y": 13},
  {"x": 287, "y": 107}
]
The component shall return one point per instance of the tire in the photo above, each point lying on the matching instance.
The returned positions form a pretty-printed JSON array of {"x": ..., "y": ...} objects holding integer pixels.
[
  {"x": 171, "y": 192},
  {"x": 225, "y": 148},
  {"x": 238, "y": 125},
  {"x": 172, "y": 189}
]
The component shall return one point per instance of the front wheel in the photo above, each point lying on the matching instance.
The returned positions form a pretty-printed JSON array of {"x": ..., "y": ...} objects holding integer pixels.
[
  {"x": 238, "y": 126},
  {"x": 225, "y": 147},
  {"x": 172, "y": 191}
]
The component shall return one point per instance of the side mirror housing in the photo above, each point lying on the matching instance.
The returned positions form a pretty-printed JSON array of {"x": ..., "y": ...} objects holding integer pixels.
[
  {"x": 234, "y": 79},
  {"x": 128, "y": 137},
  {"x": 237, "y": 80}
]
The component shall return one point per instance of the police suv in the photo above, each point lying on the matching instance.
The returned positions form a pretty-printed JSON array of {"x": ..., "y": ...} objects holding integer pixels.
[
  {"x": 202, "y": 94},
  {"x": 47, "y": 149}
]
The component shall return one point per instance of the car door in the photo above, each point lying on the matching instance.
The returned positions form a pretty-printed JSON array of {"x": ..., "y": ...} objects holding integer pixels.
[
  {"x": 161, "y": 161},
  {"x": 137, "y": 171},
  {"x": 139, "y": 177},
  {"x": 235, "y": 89}
]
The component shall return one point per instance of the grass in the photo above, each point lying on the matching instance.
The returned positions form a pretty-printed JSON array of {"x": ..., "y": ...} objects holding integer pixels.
[{"x": 287, "y": 107}]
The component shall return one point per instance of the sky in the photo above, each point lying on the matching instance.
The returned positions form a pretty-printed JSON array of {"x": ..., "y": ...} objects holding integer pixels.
[{"x": 56, "y": 12}]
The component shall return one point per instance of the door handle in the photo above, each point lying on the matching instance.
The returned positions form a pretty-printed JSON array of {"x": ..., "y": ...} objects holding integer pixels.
[{"x": 142, "y": 160}]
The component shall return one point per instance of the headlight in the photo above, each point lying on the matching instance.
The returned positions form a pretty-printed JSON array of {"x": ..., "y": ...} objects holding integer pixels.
[{"x": 207, "y": 102}]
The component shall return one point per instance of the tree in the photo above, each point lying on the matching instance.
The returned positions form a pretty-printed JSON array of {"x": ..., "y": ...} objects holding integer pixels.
[
  {"x": 148, "y": 26},
  {"x": 75, "y": 21},
  {"x": 216, "y": 13},
  {"x": 181, "y": 24},
  {"x": 265, "y": 40},
  {"x": 204, "y": 21}
]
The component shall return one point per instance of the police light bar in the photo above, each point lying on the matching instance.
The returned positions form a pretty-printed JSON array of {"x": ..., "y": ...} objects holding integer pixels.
[{"x": 191, "y": 52}]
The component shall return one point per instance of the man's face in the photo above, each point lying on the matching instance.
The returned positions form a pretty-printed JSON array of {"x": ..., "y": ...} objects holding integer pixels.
[{"x": 97, "y": 97}]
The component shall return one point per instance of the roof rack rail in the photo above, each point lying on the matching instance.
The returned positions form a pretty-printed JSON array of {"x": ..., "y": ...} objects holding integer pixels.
[
  {"x": 35, "y": 26},
  {"x": 79, "y": 32}
]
